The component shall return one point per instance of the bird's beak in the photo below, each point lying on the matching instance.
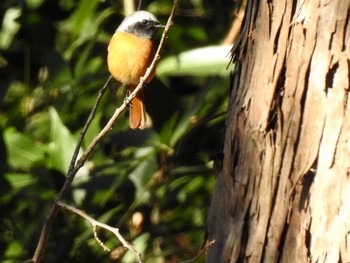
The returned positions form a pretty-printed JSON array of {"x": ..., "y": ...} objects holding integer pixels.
[{"x": 159, "y": 26}]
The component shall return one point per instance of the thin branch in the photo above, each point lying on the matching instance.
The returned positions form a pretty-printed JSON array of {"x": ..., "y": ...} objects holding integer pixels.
[
  {"x": 94, "y": 230},
  {"x": 139, "y": 5},
  {"x": 94, "y": 223},
  {"x": 204, "y": 249},
  {"x": 86, "y": 126},
  {"x": 73, "y": 169}
]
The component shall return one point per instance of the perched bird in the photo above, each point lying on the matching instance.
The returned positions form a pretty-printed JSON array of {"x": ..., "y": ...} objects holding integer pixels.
[{"x": 130, "y": 52}]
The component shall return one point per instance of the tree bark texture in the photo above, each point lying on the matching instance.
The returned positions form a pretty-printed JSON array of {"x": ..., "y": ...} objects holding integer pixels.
[{"x": 283, "y": 193}]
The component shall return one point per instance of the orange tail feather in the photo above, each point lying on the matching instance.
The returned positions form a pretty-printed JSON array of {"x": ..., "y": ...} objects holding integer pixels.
[{"x": 137, "y": 113}]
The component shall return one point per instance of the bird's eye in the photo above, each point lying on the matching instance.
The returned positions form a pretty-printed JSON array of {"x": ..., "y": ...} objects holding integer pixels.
[{"x": 145, "y": 22}]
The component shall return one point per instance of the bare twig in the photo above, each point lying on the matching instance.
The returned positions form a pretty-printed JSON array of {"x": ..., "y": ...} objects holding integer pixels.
[
  {"x": 76, "y": 165},
  {"x": 200, "y": 252},
  {"x": 85, "y": 128},
  {"x": 139, "y": 5},
  {"x": 94, "y": 223},
  {"x": 94, "y": 230}
]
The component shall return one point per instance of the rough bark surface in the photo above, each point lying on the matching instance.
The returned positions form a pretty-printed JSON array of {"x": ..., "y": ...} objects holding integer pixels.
[{"x": 283, "y": 194}]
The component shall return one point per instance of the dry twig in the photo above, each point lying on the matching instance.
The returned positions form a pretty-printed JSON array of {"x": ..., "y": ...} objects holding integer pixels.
[
  {"x": 201, "y": 251},
  {"x": 94, "y": 223}
]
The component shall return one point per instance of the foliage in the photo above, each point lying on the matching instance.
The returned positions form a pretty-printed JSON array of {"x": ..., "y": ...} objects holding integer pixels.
[{"x": 154, "y": 184}]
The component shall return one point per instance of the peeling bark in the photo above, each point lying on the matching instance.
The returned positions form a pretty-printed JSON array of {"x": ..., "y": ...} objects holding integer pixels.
[{"x": 283, "y": 194}]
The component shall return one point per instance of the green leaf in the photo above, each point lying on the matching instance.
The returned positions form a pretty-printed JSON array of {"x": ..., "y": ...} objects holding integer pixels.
[
  {"x": 14, "y": 249},
  {"x": 62, "y": 144},
  {"x": 83, "y": 13},
  {"x": 84, "y": 25},
  {"x": 23, "y": 151},
  {"x": 140, "y": 243},
  {"x": 143, "y": 173},
  {"x": 32, "y": 4},
  {"x": 10, "y": 27},
  {"x": 185, "y": 121},
  {"x": 20, "y": 180},
  {"x": 207, "y": 61}
]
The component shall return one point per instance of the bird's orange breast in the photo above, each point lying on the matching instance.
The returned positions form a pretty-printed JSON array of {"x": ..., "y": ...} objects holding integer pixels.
[{"x": 129, "y": 57}]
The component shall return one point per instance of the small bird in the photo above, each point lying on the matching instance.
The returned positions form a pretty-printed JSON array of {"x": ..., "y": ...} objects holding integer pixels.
[{"x": 130, "y": 52}]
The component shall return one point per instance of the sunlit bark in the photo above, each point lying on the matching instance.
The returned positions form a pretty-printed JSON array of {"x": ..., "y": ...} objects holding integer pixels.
[{"x": 283, "y": 193}]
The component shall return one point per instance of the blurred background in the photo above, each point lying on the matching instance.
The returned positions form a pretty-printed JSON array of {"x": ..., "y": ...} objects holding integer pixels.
[{"x": 155, "y": 185}]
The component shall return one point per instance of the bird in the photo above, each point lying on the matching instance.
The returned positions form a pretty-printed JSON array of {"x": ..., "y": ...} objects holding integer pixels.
[{"x": 130, "y": 52}]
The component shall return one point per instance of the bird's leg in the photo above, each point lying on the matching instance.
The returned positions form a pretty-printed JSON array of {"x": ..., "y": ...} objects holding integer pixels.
[{"x": 126, "y": 99}]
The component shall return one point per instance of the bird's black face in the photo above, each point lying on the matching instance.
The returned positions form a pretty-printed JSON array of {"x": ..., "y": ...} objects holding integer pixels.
[
  {"x": 141, "y": 23},
  {"x": 145, "y": 28}
]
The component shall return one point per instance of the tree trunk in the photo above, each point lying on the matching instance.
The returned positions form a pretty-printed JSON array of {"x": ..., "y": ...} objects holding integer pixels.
[{"x": 283, "y": 193}]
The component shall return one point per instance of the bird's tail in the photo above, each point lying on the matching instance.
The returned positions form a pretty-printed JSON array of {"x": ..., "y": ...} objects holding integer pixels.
[{"x": 137, "y": 114}]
